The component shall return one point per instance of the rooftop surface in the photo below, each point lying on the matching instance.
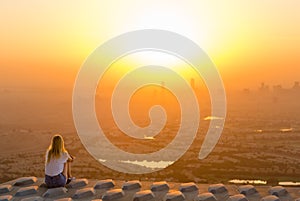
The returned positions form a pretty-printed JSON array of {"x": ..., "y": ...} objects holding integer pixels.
[{"x": 34, "y": 189}]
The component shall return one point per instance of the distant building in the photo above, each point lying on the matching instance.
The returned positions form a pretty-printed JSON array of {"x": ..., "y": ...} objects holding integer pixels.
[
  {"x": 263, "y": 88},
  {"x": 296, "y": 86},
  {"x": 278, "y": 89},
  {"x": 246, "y": 91}
]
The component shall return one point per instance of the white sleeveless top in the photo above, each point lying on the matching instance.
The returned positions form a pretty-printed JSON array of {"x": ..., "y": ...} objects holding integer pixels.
[{"x": 56, "y": 165}]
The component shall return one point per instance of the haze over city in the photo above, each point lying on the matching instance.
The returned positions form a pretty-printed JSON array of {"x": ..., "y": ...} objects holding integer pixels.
[{"x": 254, "y": 45}]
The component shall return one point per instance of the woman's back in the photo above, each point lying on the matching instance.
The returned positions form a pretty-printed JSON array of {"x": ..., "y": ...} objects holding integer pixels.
[{"x": 57, "y": 167}]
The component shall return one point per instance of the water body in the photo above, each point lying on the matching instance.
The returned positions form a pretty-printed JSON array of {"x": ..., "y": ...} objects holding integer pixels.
[
  {"x": 240, "y": 181},
  {"x": 289, "y": 183},
  {"x": 212, "y": 118},
  {"x": 150, "y": 164}
]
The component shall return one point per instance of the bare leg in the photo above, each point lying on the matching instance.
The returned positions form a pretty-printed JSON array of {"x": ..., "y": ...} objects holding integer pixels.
[{"x": 65, "y": 171}]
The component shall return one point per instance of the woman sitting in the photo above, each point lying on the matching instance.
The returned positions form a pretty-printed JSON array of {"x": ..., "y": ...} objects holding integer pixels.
[{"x": 57, "y": 167}]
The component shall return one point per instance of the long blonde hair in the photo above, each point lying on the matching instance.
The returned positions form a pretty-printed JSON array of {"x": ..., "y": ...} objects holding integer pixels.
[{"x": 56, "y": 148}]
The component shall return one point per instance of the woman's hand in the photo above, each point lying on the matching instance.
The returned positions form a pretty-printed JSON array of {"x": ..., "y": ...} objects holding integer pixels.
[{"x": 71, "y": 158}]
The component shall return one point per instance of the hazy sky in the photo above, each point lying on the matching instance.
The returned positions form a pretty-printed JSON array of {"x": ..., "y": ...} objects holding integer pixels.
[{"x": 44, "y": 43}]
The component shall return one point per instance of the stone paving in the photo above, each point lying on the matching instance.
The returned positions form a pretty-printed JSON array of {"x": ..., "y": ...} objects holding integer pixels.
[{"x": 34, "y": 189}]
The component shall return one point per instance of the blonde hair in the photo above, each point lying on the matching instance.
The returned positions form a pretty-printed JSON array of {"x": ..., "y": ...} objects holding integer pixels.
[{"x": 56, "y": 147}]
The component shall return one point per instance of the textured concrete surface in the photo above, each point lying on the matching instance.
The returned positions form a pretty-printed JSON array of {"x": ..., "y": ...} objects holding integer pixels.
[{"x": 34, "y": 189}]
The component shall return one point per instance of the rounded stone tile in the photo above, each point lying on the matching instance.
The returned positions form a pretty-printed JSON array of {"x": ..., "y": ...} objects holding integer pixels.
[
  {"x": 6, "y": 198},
  {"x": 206, "y": 197},
  {"x": 36, "y": 198},
  {"x": 131, "y": 185},
  {"x": 78, "y": 183},
  {"x": 278, "y": 191},
  {"x": 174, "y": 196},
  {"x": 105, "y": 184},
  {"x": 238, "y": 197},
  {"x": 160, "y": 186},
  {"x": 23, "y": 181},
  {"x": 188, "y": 187},
  {"x": 113, "y": 194},
  {"x": 27, "y": 191},
  {"x": 217, "y": 188},
  {"x": 247, "y": 190},
  {"x": 143, "y": 196},
  {"x": 84, "y": 193},
  {"x": 270, "y": 198},
  {"x": 5, "y": 188},
  {"x": 64, "y": 199},
  {"x": 54, "y": 192}
]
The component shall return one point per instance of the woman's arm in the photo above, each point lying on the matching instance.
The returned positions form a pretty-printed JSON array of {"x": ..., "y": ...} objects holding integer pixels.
[{"x": 70, "y": 158}]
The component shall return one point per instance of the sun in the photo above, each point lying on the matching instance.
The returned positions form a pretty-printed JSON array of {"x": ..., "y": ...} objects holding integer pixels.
[{"x": 155, "y": 58}]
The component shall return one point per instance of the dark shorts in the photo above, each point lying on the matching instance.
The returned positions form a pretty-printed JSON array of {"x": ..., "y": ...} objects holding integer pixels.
[{"x": 55, "y": 181}]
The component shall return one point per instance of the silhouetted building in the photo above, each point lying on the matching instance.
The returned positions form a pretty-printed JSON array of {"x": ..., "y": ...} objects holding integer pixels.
[
  {"x": 296, "y": 86},
  {"x": 246, "y": 91},
  {"x": 278, "y": 89},
  {"x": 263, "y": 88}
]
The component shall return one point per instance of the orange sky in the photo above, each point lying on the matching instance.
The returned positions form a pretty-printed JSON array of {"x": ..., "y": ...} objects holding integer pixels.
[{"x": 43, "y": 44}]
